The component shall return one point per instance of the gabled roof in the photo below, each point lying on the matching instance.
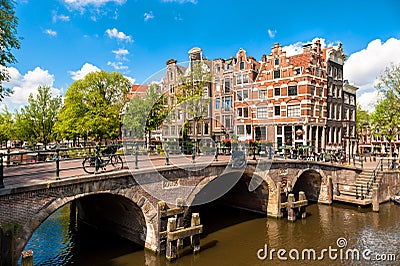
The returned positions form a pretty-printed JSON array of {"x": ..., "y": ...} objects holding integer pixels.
[{"x": 137, "y": 90}]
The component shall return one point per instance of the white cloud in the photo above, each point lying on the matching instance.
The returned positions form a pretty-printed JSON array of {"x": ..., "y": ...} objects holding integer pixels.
[
  {"x": 86, "y": 69},
  {"x": 121, "y": 54},
  {"x": 24, "y": 85},
  {"x": 364, "y": 67},
  {"x": 132, "y": 80},
  {"x": 297, "y": 48},
  {"x": 61, "y": 17},
  {"x": 180, "y": 1},
  {"x": 271, "y": 33},
  {"x": 148, "y": 15},
  {"x": 117, "y": 65},
  {"x": 81, "y": 4},
  {"x": 119, "y": 35},
  {"x": 50, "y": 32}
]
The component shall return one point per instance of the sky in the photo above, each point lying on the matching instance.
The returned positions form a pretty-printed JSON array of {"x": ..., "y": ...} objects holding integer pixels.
[{"x": 63, "y": 40}]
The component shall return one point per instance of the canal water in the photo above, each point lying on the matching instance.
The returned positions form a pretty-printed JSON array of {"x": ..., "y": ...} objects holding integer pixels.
[{"x": 237, "y": 237}]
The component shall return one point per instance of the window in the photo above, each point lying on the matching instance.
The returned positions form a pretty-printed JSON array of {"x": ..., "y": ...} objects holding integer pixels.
[
  {"x": 312, "y": 90},
  {"x": 239, "y": 95},
  {"x": 262, "y": 112},
  {"x": 217, "y": 122},
  {"x": 243, "y": 112},
  {"x": 277, "y": 91},
  {"x": 292, "y": 90},
  {"x": 346, "y": 98},
  {"x": 312, "y": 110},
  {"x": 173, "y": 130},
  {"x": 293, "y": 110},
  {"x": 180, "y": 115},
  {"x": 297, "y": 71},
  {"x": 277, "y": 74},
  {"x": 263, "y": 94},
  {"x": 277, "y": 110},
  {"x": 217, "y": 68},
  {"x": 276, "y": 62},
  {"x": 227, "y": 85},
  {"x": 245, "y": 78},
  {"x": 217, "y": 85},
  {"x": 278, "y": 130},
  {"x": 317, "y": 72},
  {"x": 320, "y": 111},
  {"x": 165, "y": 130},
  {"x": 239, "y": 79},
  {"x": 248, "y": 129},
  {"x": 227, "y": 121},
  {"x": 206, "y": 128},
  {"x": 217, "y": 103},
  {"x": 241, "y": 65},
  {"x": 240, "y": 129},
  {"x": 227, "y": 103},
  {"x": 351, "y": 100},
  {"x": 320, "y": 91},
  {"x": 171, "y": 88},
  {"x": 171, "y": 75}
]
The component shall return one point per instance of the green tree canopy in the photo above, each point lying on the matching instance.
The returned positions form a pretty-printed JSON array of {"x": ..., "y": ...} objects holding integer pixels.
[
  {"x": 8, "y": 41},
  {"x": 386, "y": 119},
  {"x": 362, "y": 120},
  {"x": 92, "y": 106},
  {"x": 6, "y": 125},
  {"x": 389, "y": 81},
  {"x": 37, "y": 119},
  {"x": 147, "y": 113}
]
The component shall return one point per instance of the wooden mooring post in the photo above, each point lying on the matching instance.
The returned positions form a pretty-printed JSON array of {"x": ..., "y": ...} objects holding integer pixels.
[
  {"x": 27, "y": 258},
  {"x": 296, "y": 208},
  {"x": 172, "y": 231}
]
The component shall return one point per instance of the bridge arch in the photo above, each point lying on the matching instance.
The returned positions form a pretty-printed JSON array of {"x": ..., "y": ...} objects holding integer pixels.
[
  {"x": 139, "y": 212},
  {"x": 311, "y": 181}
]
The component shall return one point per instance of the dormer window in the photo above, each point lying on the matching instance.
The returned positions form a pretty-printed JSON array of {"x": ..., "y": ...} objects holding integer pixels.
[
  {"x": 276, "y": 62},
  {"x": 241, "y": 65}
]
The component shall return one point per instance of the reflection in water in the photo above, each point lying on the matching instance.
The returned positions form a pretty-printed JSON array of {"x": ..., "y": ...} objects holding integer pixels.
[{"x": 231, "y": 237}]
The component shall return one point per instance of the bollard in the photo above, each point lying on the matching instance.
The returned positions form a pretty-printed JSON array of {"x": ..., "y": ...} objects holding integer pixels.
[
  {"x": 137, "y": 156},
  {"x": 290, "y": 210},
  {"x": 57, "y": 164},
  {"x": 171, "y": 252},
  {"x": 1, "y": 171},
  {"x": 27, "y": 258},
  {"x": 195, "y": 239}
]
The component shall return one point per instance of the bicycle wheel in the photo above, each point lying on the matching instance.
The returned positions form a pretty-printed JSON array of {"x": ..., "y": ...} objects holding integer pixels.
[
  {"x": 89, "y": 165},
  {"x": 116, "y": 161}
]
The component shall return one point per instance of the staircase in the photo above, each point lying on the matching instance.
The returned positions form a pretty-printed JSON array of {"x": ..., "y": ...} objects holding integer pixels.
[{"x": 358, "y": 193}]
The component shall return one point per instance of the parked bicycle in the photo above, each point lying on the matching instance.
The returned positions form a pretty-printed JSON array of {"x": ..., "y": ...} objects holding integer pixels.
[{"x": 94, "y": 163}]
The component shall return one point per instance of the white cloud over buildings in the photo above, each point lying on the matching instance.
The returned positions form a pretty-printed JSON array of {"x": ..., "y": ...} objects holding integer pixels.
[{"x": 81, "y": 73}]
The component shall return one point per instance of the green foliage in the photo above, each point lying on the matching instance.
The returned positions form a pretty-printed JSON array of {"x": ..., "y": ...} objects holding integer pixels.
[
  {"x": 386, "y": 118},
  {"x": 389, "y": 81},
  {"x": 363, "y": 120},
  {"x": 8, "y": 41},
  {"x": 36, "y": 120},
  {"x": 6, "y": 125},
  {"x": 92, "y": 106},
  {"x": 146, "y": 113}
]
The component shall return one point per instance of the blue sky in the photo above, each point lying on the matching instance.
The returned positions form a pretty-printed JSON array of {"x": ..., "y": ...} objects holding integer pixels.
[{"x": 65, "y": 39}]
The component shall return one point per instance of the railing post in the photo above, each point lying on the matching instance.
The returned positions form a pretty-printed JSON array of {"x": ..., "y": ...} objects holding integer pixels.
[
  {"x": 96, "y": 159},
  {"x": 193, "y": 154},
  {"x": 166, "y": 154},
  {"x": 381, "y": 164},
  {"x": 8, "y": 157},
  {"x": 1, "y": 171},
  {"x": 362, "y": 162},
  {"x": 58, "y": 163},
  {"x": 357, "y": 192},
  {"x": 137, "y": 156},
  {"x": 254, "y": 152}
]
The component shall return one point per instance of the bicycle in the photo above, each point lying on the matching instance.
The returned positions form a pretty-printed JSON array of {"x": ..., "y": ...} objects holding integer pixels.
[{"x": 93, "y": 163}]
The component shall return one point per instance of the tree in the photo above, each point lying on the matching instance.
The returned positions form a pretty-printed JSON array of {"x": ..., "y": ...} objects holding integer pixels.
[
  {"x": 192, "y": 96},
  {"x": 147, "y": 113},
  {"x": 386, "y": 119},
  {"x": 389, "y": 81},
  {"x": 363, "y": 121},
  {"x": 92, "y": 106},
  {"x": 40, "y": 115},
  {"x": 8, "y": 41},
  {"x": 6, "y": 126}
]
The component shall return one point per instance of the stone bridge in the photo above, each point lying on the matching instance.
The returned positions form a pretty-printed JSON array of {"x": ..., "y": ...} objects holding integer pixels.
[{"x": 123, "y": 202}]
